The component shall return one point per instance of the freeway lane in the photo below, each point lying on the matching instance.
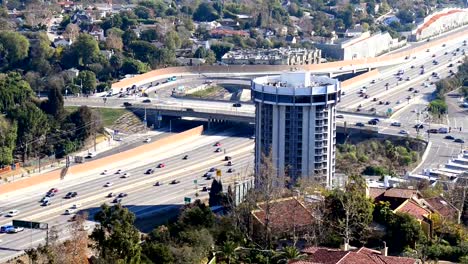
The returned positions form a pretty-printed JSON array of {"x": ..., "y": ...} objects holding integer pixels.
[
  {"x": 397, "y": 90},
  {"x": 139, "y": 186}
]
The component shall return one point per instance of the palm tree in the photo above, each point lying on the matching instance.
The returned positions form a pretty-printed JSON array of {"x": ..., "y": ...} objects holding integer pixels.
[
  {"x": 228, "y": 250},
  {"x": 289, "y": 253}
]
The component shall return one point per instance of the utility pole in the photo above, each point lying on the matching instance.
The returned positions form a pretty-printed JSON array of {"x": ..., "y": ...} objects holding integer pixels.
[{"x": 94, "y": 128}]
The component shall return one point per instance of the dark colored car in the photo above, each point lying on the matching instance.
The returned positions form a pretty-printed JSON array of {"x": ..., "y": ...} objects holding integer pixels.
[
  {"x": 359, "y": 124},
  {"x": 433, "y": 131},
  {"x": 175, "y": 181},
  {"x": 149, "y": 171},
  {"x": 121, "y": 195},
  {"x": 449, "y": 137},
  {"x": 459, "y": 140},
  {"x": 237, "y": 105},
  {"x": 71, "y": 195},
  {"x": 147, "y": 101},
  {"x": 372, "y": 122},
  {"x": 126, "y": 104},
  {"x": 185, "y": 157}
]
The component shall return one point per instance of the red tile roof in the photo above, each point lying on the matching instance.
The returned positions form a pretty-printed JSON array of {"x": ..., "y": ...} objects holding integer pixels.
[
  {"x": 414, "y": 209},
  {"x": 442, "y": 207},
  {"x": 228, "y": 32},
  {"x": 400, "y": 193},
  {"x": 362, "y": 256},
  {"x": 376, "y": 192},
  {"x": 284, "y": 214}
]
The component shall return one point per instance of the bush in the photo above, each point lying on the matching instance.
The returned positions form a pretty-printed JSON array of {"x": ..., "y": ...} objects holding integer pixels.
[{"x": 375, "y": 171}]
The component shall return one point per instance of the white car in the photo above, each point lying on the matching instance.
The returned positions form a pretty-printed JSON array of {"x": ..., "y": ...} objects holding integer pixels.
[
  {"x": 126, "y": 175},
  {"x": 397, "y": 124},
  {"x": 118, "y": 171},
  {"x": 12, "y": 213},
  {"x": 104, "y": 172},
  {"x": 70, "y": 211},
  {"x": 76, "y": 206},
  {"x": 15, "y": 229},
  {"x": 91, "y": 155},
  {"x": 147, "y": 140},
  {"x": 403, "y": 132},
  {"x": 108, "y": 184}
]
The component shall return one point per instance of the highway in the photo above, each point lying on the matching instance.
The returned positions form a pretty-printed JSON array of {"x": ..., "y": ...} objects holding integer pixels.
[{"x": 143, "y": 197}]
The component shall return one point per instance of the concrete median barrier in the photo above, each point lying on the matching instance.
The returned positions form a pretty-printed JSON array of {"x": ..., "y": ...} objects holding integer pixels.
[{"x": 99, "y": 163}]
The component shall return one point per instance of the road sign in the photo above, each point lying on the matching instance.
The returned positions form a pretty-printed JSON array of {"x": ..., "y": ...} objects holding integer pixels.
[
  {"x": 187, "y": 200},
  {"x": 218, "y": 173},
  {"x": 29, "y": 224}
]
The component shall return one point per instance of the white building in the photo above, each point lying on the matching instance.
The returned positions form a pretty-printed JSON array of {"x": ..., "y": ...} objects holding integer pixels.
[
  {"x": 280, "y": 56},
  {"x": 295, "y": 122},
  {"x": 440, "y": 22}
]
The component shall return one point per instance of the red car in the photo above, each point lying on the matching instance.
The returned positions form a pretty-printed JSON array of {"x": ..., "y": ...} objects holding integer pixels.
[
  {"x": 217, "y": 144},
  {"x": 161, "y": 165},
  {"x": 53, "y": 190}
]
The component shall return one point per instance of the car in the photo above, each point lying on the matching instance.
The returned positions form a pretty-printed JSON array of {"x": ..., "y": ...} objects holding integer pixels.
[
  {"x": 50, "y": 194},
  {"x": 403, "y": 132},
  {"x": 373, "y": 81},
  {"x": 53, "y": 190},
  {"x": 359, "y": 124},
  {"x": 104, "y": 172},
  {"x": 419, "y": 126},
  {"x": 209, "y": 177},
  {"x": 410, "y": 89},
  {"x": 372, "y": 122},
  {"x": 366, "y": 96},
  {"x": 161, "y": 165},
  {"x": 122, "y": 195},
  {"x": 237, "y": 105},
  {"x": 147, "y": 101},
  {"x": 396, "y": 124},
  {"x": 108, "y": 184},
  {"x": 127, "y": 104},
  {"x": 407, "y": 78},
  {"x": 387, "y": 84},
  {"x": 217, "y": 144},
  {"x": 185, "y": 157},
  {"x": 372, "y": 109},
  {"x": 218, "y": 150},
  {"x": 408, "y": 97},
  {"x": 46, "y": 203},
  {"x": 149, "y": 171},
  {"x": 212, "y": 169},
  {"x": 5, "y": 228},
  {"x": 229, "y": 163},
  {"x": 449, "y": 137},
  {"x": 343, "y": 93},
  {"x": 433, "y": 55},
  {"x": 459, "y": 140},
  {"x": 117, "y": 200},
  {"x": 381, "y": 103},
  {"x": 339, "y": 116},
  {"x": 416, "y": 91},
  {"x": 70, "y": 195},
  {"x": 443, "y": 130},
  {"x": 147, "y": 140},
  {"x": 230, "y": 170},
  {"x": 125, "y": 175},
  {"x": 175, "y": 181},
  {"x": 387, "y": 102},
  {"x": 157, "y": 184},
  {"x": 207, "y": 174},
  {"x": 70, "y": 211},
  {"x": 412, "y": 67},
  {"x": 433, "y": 131},
  {"x": 119, "y": 171},
  {"x": 76, "y": 206},
  {"x": 374, "y": 99},
  {"x": 12, "y": 213},
  {"x": 204, "y": 189},
  {"x": 15, "y": 229},
  {"x": 110, "y": 195},
  {"x": 450, "y": 65},
  {"x": 45, "y": 198}
]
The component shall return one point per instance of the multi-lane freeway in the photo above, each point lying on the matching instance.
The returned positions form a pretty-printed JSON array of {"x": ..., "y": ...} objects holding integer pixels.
[{"x": 143, "y": 197}]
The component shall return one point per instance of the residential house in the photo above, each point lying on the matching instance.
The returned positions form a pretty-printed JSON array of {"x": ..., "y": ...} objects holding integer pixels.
[
  {"x": 321, "y": 255},
  {"x": 443, "y": 207},
  {"x": 190, "y": 61},
  {"x": 107, "y": 53},
  {"x": 353, "y": 32},
  {"x": 220, "y": 33},
  {"x": 61, "y": 42},
  {"x": 229, "y": 22},
  {"x": 281, "y": 31},
  {"x": 286, "y": 217},
  {"x": 243, "y": 17},
  {"x": 81, "y": 17},
  {"x": 209, "y": 25},
  {"x": 97, "y": 32}
]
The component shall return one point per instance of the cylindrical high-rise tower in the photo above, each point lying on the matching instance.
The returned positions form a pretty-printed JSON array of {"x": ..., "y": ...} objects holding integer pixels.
[{"x": 295, "y": 122}]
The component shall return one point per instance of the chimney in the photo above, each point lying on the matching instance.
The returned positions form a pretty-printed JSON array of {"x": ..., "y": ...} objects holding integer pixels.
[
  {"x": 384, "y": 250},
  {"x": 346, "y": 245}
]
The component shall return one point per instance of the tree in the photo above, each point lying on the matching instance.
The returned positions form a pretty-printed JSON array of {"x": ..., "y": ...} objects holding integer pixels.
[
  {"x": 85, "y": 50},
  {"x": 228, "y": 251},
  {"x": 438, "y": 107},
  {"x": 216, "y": 192},
  {"x": 71, "y": 32},
  {"x": 87, "y": 81},
  {"x": 86, "y": 122},
  {"x": 14, "y": 48},
  {"x": 205, "y": 12},
  {"x": 350, "y": 211},
  {"x": 116, "y": 237},
  {"x": 54, "y": 104},
  {"x": 114, "y": 42},
  {"x": 8, "y": 133},
  {"x": 129, "y": 36},
  {"x": 158, "y": 252},
  {"x": 132, "y": 66},
  {"x": 220, "y": 49},
  {"x": 13, "y": 91}
]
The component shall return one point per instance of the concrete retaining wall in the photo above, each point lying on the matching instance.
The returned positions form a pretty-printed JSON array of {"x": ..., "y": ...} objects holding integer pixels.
[
  {"x": 360, "y": 79},
  {"x": 99, "y": 163}
]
